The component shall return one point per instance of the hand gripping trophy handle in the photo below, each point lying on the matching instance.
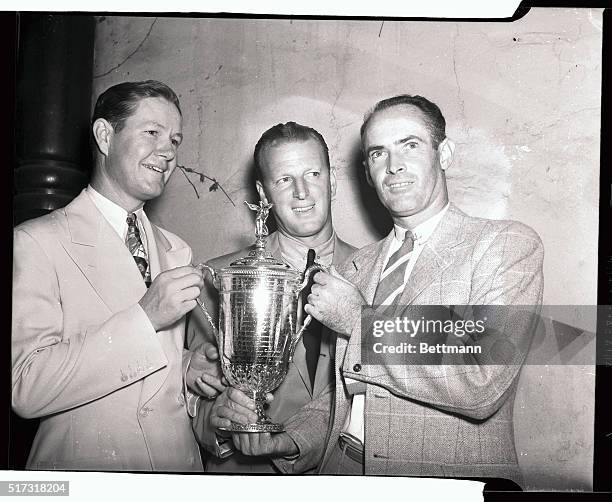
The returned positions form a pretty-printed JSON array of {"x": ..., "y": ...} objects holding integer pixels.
[{"x": 309, "y": 271}]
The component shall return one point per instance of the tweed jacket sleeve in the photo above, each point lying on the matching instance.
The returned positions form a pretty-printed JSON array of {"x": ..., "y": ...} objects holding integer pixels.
[
  {"x": 502, "y": 267},
  {"x": 308, "y": 429}
]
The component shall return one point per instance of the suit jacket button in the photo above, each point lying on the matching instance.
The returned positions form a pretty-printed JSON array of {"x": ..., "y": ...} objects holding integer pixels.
[
  {"x": 144, "y": 412},
  {"x": 357, "y": 368}
]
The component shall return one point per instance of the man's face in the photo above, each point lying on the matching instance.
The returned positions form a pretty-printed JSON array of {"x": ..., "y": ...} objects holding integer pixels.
[
  {"x": 298, "y": 181},
  {"x": 402, "y": 164},
  {"x": 142, "y": 154}
]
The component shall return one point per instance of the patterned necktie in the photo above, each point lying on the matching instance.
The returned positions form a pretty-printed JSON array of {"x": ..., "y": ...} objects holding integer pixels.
[
  {"x": 134, "y": 244},
  {"x": 394, "y": 279}
]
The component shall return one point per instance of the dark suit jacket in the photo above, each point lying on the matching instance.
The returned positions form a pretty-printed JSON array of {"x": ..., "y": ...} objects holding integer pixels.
[
  {"x": 308, "y": 431},
  {"x": 443, "y": 420},
  {"x": 86, "y": 359}
]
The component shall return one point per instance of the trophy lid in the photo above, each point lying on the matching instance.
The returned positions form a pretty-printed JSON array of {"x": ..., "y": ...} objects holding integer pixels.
[{"x": 259, "y": 261}]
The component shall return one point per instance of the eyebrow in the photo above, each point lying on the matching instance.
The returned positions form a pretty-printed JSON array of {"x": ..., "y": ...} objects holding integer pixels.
[
  {"x": 157, "y": 124},
  {"x": 396, "y": 142}
]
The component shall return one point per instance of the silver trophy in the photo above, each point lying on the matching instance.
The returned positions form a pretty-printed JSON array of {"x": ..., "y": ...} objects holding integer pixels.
[{"x": 258, "y": 315}]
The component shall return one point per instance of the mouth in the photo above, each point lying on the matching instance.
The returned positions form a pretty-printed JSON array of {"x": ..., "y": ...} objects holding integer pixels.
[
  {"x": 303, "y": 209},
  {"x": 400, "y": 185},
  {"x": 154, "y": 168}
]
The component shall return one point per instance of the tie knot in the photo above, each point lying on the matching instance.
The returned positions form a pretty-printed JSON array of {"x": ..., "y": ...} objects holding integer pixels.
[
  {"x": 131, "y": 219},
  {"x": 408, "y": 242}
]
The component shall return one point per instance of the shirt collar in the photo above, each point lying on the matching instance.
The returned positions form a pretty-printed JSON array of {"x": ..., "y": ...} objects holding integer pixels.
[
  {"x": 295, "y": 252},
  {"x": 113, "y": 213},
  {"x": 423, "y": 231}
]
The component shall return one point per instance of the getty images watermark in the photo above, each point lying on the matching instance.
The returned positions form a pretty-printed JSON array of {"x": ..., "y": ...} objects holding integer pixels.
[{"x": 483, "y": 334}]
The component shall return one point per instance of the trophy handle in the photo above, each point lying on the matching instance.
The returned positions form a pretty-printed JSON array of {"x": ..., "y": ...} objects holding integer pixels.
[
  {"x": 203, "y": 266},
  {"x": 298, "y": 336}
]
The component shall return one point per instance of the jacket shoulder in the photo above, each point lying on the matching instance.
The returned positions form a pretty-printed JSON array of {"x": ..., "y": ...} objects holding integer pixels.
[
  {"x": 44, "y": 226},
  {"x": 224, "y": 260},
  {"x": 490, "y": 229}
]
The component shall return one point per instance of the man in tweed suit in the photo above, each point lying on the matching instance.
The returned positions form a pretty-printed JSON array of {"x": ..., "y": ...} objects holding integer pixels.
[{"x": 424, "y": 419}]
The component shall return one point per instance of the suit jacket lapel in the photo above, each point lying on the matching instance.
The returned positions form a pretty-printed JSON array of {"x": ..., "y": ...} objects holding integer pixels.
[
  {"x": 102, "y": 256},
  {"x": 436, "y": 256}
]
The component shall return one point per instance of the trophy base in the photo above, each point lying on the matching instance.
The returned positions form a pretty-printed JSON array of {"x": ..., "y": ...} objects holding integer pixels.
[{"x": 264, "y": 427}]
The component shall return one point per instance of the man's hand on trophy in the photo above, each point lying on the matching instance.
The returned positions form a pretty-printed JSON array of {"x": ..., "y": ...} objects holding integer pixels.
[
  {"x": 258, "y": 444},
  {"x": 204, "y": 376},
  {"x": 335, "y": 302},
  {"x": 233, "y": 405},
  {"x": 171, "y": 295}
]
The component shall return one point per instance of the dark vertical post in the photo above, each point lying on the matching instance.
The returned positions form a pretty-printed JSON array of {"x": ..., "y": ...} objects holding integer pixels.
[
  {"x": 54, "y": 82},
  {"x": 52, "y": 158}
]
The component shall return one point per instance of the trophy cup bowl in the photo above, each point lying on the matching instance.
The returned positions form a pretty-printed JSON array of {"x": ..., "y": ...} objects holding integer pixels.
[{"x": 258, "y": 333}]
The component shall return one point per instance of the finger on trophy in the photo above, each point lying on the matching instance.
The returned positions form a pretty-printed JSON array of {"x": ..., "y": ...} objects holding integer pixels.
[
  {"x": 206, "y": 390},
  {"x": 241, "y": 398},
  {"x": 211, "y": 352}
]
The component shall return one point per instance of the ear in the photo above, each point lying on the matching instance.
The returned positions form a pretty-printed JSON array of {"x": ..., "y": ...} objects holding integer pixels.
[
  {"x": 103, "y": 133},
  {"x": 261, "y": 191},
  {"x": 446, "y": 149},
  {"x": 333, "y": 182}
]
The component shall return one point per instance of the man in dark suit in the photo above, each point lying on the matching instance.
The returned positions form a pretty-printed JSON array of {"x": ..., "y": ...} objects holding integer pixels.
[
  {"x": 294, "y": 174},
  {"x": 450, "y": 419},
  {"x": 100, "y": 295}
]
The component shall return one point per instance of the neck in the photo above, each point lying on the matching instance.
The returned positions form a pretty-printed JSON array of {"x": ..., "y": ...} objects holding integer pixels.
[
  {"x": 313, "y": 241},
  {"x": 105, "y": 187},
  {"x": 414, "y": 220}
]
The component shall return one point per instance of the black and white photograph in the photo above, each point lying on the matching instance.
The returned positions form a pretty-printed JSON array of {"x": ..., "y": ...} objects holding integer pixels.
[{"x": 235, "y": 236}]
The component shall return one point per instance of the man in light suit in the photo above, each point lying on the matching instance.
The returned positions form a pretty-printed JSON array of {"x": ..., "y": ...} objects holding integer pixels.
[
  {"x": 294, "y": 174},
  {"x": 415, "y": 419},
  {"x": 99, "y": 299}
]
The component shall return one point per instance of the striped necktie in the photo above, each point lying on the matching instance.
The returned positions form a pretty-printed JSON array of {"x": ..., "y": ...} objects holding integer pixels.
[
  {"x": 392, "y": 279},
  {"x": 134, "y": 244}
]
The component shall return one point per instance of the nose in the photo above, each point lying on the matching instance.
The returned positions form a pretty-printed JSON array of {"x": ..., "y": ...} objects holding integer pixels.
[
  {"x": 166, "y": 150},
  {"x": 394, "y": 164},
  {"x": 300, "y": 190}
]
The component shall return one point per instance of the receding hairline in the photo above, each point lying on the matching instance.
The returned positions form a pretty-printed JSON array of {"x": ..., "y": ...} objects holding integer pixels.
[{"x": 278, "y": 142}]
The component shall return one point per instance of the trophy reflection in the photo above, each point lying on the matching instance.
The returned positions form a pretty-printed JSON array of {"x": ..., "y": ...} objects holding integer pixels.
[{"x": 258, "y": 311}]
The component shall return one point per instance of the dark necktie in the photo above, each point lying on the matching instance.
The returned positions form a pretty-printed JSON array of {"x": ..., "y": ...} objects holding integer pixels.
[
  {"x": 134, "y": 244},
  {"x": 394, "y": 279},
  {"x": 312, "y": 334}
]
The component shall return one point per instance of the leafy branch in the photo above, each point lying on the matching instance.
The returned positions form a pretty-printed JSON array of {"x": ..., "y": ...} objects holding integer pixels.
[{"x": 203, "y": 177}]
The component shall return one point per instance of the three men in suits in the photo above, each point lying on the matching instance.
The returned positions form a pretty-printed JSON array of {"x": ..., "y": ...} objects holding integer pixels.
[
  {"x": 99, "y": 299},
  {"x": 450, "y": 420},
  {"x": 294, "y": 174}
]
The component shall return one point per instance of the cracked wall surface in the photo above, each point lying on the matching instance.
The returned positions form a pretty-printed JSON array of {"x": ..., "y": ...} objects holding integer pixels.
[{"x": 521, "y": 100}]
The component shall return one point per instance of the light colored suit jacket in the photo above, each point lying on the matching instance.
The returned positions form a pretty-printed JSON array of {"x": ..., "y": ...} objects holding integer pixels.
[
  {"x": 451, "y": 421},
  {"x": 85, "y": 358},
  {"x": 308, "y": 431}
]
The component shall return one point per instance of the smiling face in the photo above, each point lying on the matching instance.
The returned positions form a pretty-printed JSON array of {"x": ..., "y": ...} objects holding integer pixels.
[
  {"x": 298, "y": 181},
  {"x": 138, "y": 160},
  {"x": 404, "y": 167}
]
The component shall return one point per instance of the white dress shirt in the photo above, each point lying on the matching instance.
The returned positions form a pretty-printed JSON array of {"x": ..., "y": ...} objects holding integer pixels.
[
  {"x": 117, "y": 216},
  {"x": 354, "y": 423}
]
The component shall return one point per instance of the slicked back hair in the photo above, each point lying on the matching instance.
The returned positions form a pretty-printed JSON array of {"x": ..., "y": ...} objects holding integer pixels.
[
  {"x": 434, "y": 120},
  {"x": 285, "y": 133},
  {"x": 120, "y": 101}
]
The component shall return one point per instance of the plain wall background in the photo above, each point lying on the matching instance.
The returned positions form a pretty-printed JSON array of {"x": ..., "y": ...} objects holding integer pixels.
[{"x": 522, "y": 103}]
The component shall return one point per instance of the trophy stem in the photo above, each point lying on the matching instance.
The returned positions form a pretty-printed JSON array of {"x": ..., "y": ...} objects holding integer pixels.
[{"x": 263, "y": 424}]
